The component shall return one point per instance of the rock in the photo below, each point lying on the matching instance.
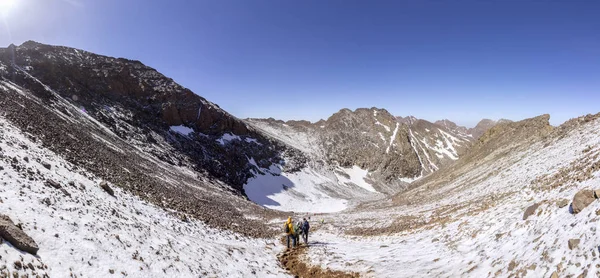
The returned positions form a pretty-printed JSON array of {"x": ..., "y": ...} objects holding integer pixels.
[
  {"x": 512, "y": 265},
  {"x": 18, "y": 238},
  {"x": 554, "y": 275},
  {"x": 573, "y": 243},
  {"x": 1, "y": 168},
  {"x": 64, "y": 191},
  {"x": 597, "y": 193},
  {"x": 52, "y": 183},
  {"x": 583, "y": 275},
  {"x": 104, "y": 185},
  {"x": 530, "y": 210},
  {"x": 46, "y": 201},
  {"x": 47, "y": 165},
  {"x": 562, "y": 203},
  {"x": 582, "y": 199}
]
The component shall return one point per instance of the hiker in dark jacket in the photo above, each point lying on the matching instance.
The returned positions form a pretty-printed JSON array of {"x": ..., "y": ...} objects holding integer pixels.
[{"x": 305, "y": 228}]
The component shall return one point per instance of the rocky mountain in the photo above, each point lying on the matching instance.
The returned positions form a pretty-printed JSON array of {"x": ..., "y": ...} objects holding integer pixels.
[
  {"x": 130, "y": 125},
  {"x": 368, "y": 148},
  {"x": 519, "y": 203},
  {"x": 450, "y": 125},
  {"x": 353, "y": 155},
  {"x": 109, "y": 168}
]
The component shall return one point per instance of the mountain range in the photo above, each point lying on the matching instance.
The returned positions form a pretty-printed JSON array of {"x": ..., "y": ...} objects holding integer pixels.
[{"x": 89, "y": 140}]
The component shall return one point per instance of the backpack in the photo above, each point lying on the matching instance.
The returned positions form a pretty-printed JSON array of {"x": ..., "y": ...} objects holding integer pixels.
[{"x": 286, "y": 228}]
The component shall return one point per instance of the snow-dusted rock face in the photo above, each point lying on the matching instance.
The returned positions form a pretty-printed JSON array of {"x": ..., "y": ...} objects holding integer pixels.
[
  {"x": 109, "y": 116},
  {"x": 354, "y": 156},
  {"x": 437, "y": 144},
  {"x": 467, "y": 220},
  {"x": 82, "y": 231},
  {"x": 141, "y": 106}
]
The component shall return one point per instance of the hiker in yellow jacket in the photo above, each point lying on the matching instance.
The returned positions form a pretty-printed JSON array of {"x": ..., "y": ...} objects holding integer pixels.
[{"x": 289, "y": 230}]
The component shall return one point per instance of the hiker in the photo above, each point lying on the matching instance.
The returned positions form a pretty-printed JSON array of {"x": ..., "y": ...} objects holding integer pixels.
[
  {"x": 298, "y": 231},
  {"x": 289, "y": 230},
  {"x": 305, "y": 228}
]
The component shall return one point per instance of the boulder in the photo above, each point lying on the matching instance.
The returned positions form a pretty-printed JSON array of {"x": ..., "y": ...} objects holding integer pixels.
[
  {"x": 573, "y": 243},
  {"x": 554, "y": 275},
  {"x": 562, "y": 203},
  {"x": 582, "y": 199},
  {"x": 52, "y": 183},
  {"x": 530, "y": 210},
  {"x": 17, "y": 237},
  {"x": 104, "y": 185},
  {"x": 47, "y": 165},
  {"x": 64, "y": 191},
  {"x": 597, "y": 193}
]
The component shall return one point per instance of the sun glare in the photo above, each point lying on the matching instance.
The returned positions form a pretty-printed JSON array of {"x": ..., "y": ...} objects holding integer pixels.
[{"x": 7, "y": 5}]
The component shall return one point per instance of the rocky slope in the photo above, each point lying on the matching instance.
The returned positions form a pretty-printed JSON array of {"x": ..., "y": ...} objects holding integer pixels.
[
  {"x": 501, "y": 211},
  {"x": 356, "y": 156},
  {"x": 81, "y": 229},
  {"x": 136, "y": 128}
]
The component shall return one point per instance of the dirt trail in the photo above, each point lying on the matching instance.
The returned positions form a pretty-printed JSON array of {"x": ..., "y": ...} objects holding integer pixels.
[{"x": 291, "y": 260}]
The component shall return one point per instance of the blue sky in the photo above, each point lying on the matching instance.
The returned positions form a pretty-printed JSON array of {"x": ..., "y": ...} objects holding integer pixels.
[{"x": 461, "y": 60}]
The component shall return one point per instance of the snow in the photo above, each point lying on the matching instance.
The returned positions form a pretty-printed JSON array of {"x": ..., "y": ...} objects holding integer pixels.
[
  {"x": 411, "y": 180},
  {"x": 393, "y": 138},
  {"x": 357, "y": 177},
  {"x": 252, "y": 140},
  {"x": 181, "y": 129},
  {"x": 442, "y": 149},
  {"x": 300, "y": 191},
  {"x": 412, "y": 144},
  {"x": 387, "y": 128},
  {"x": 381, "y": 136},
  {"x": 96, "y": 232},
  {"x": 477, "y": 240},
  {"x": 227, "y": 137},
  {"x": 303, "y": 141}
]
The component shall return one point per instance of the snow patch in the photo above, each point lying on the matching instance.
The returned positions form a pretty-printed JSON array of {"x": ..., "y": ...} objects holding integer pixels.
[
  {"x": 227, "y": 137},
  {"x": 357, "y": 177},
  {"x": 299, "y": 191},
  {"x": 392, "y": 138},
  {"x": 181, "y": 129}
]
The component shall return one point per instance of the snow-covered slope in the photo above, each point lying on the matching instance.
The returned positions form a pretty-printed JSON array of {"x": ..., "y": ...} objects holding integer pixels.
[
  {"x": 89, "y": 233},
  {"x": 472, "y": 225},
  {"x": 314, "y": 186},
  {"x": 352, "y": 157}
]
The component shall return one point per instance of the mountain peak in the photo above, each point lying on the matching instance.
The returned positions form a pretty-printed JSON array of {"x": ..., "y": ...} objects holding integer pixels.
[{"x": 31, "y": 44}]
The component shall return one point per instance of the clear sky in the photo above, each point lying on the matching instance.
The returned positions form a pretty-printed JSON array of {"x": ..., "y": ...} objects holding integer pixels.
[{"x": 461, "y": 60}]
